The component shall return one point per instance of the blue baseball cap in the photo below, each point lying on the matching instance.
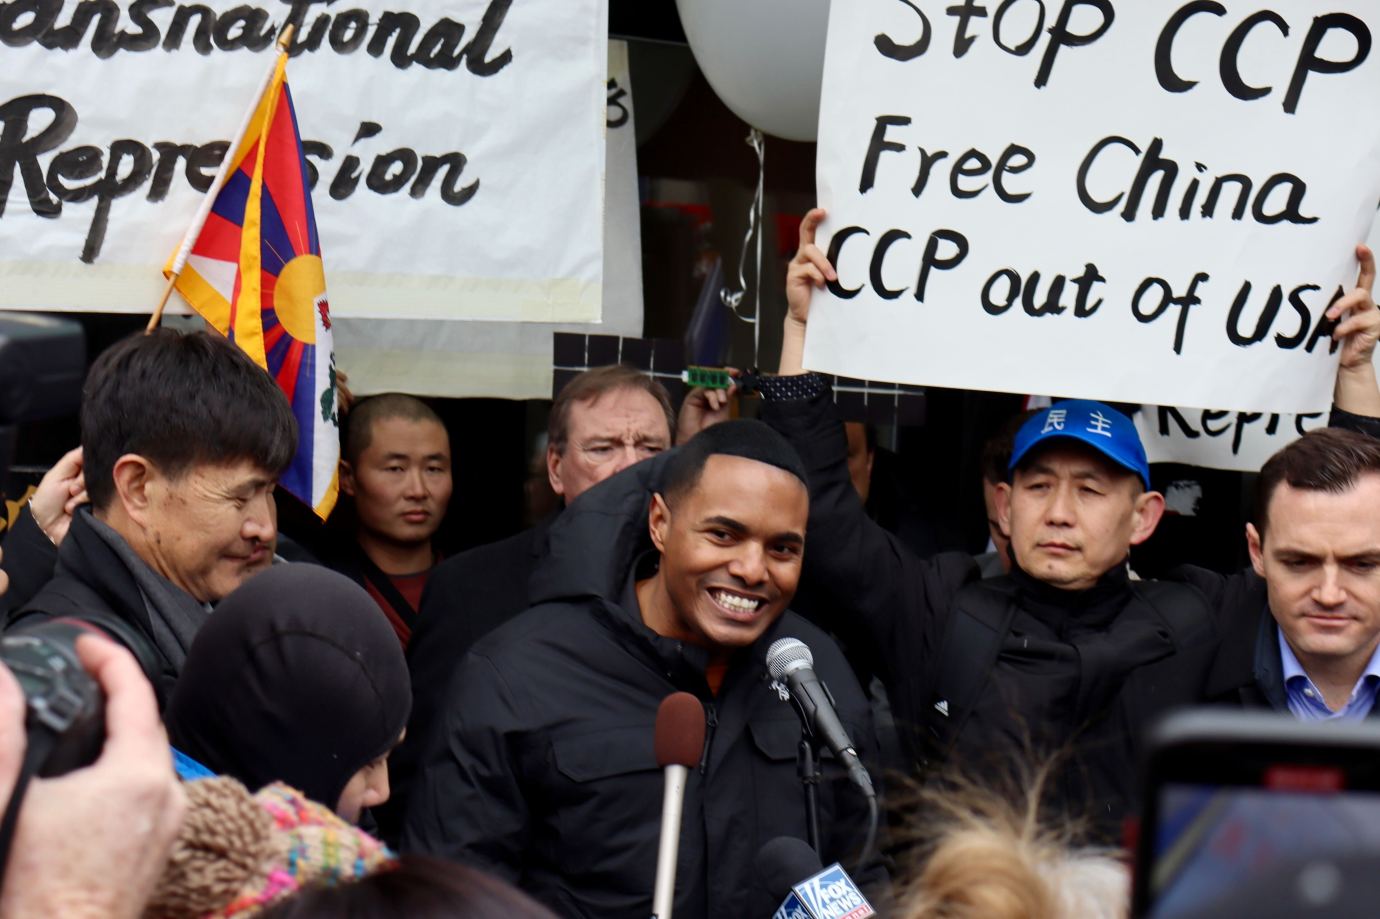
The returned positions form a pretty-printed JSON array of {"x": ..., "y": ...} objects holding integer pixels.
[{"x": 1099, "y": 426}]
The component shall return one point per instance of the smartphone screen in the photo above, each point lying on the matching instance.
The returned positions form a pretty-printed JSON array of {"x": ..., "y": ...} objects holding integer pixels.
[
  {"x": 1228, "y": 814},
  {"x": 1214, "y": 841}
]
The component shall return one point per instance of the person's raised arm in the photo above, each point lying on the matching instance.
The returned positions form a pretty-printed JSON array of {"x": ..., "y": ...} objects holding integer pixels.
[
  {"x": 809, "y": 270},
  {"x": 859, "y": 580},
  {"x": 32, "y": 543},
  {"x": 58, "y": 495},
  {"x": 1357, "y": 332}
]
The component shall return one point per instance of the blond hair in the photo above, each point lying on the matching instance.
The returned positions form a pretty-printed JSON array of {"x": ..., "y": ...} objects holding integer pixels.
[{"x": 984, "y": 857}]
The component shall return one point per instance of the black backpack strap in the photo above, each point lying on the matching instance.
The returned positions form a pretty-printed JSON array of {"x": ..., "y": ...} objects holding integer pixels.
[{"x": 981, "y": 618}]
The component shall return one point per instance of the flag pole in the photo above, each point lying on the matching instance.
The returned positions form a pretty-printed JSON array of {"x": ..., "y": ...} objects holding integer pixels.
[{"x": 209, "y": 199}]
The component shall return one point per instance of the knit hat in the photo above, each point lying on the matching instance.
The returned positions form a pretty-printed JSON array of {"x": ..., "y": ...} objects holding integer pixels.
[{"x": 238, "y": 853}]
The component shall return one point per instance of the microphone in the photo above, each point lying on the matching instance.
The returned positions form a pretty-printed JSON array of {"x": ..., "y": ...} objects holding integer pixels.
[
  {"x": 679, "y": 742},
  {"x": 825, "y": 893},
  {"x": 791, "y": 664}
]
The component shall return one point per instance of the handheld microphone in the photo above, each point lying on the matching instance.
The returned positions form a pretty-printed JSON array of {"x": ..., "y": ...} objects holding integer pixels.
[
  {"x": 790, "y": 663},
  {"x": 825, "y": 893},
  {"x": 679, "y": 741}
]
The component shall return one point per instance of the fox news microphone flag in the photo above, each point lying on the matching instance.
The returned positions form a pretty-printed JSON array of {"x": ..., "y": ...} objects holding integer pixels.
[{"x": 251, "y": 266}]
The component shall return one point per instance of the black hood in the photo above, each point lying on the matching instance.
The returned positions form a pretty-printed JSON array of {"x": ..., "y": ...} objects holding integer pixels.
[
  {"x": 297, "y": 677},
  {"x": 592, "y": 545}
]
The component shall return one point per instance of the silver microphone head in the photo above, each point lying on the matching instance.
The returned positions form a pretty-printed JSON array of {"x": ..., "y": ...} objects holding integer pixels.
[{"x": 787, "y": 655}]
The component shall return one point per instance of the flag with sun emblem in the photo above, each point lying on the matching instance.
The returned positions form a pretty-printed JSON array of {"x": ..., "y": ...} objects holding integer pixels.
[{"x": 254, "y": 272}]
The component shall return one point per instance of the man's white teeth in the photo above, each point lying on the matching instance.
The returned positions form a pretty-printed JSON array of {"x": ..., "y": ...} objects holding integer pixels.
[{"x": 735, "y": 602}]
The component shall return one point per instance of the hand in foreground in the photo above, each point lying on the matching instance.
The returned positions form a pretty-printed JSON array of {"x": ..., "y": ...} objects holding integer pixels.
[
  {"x": 61, "y": 490},
  {"x": 704, "y": 408},
  {"x": 92, "y": 843}
]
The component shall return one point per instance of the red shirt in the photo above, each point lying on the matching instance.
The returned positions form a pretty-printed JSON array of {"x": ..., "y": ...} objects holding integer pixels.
[{"x": 411, "y": 587}]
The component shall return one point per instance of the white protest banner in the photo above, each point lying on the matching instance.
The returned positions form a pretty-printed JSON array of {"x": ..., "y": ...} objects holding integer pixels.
[
  {"x": 512, "y": 360},
  {"x": 1133, "y": 201},
  {"x": 456, "y": 145},
  {"x": 1218, "y": 439}
]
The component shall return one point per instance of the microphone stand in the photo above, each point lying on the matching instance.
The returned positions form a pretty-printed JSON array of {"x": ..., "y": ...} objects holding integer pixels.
[{"x": 808, "y": 768}]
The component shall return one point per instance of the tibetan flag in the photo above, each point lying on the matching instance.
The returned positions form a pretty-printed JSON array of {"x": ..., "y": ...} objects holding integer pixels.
[{"x": 254, "y": 272}]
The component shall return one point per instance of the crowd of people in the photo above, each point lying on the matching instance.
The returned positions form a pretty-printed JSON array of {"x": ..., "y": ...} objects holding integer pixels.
[{"x": 283, "y": 717}]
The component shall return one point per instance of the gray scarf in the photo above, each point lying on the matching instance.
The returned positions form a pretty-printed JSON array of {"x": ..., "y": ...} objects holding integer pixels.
[{"x": 174, "y": 614}]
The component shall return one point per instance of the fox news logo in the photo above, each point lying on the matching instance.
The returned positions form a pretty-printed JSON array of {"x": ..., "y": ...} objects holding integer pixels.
[{"x": 831, "y": 894}]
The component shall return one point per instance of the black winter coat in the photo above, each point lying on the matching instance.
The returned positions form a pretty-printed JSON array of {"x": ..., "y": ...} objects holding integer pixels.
[
  {"x": 1247, "y": 670},
  {"x": 91, "y": 578},
  {"x": 466, "y": 598},
  {"x": 545, "y": 772},
  {"x": 29, "y": 560}
]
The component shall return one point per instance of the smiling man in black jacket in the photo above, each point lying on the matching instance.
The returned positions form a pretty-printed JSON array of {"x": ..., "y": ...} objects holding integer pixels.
[{"x": 672, "y": 576}]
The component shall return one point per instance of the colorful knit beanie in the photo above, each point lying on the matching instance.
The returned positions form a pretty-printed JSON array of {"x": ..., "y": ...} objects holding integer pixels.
[{"x": 238, "y": 853}]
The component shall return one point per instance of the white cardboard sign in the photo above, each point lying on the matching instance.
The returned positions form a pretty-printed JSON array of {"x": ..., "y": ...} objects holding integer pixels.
[
  {"x": 1132, "y": 201},
  {"x": 458, "y": 144},
  {"x": 1240, "y": 441}
]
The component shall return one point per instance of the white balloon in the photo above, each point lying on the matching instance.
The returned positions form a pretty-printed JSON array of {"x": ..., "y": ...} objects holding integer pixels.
[{"x": 764, "y": 59}]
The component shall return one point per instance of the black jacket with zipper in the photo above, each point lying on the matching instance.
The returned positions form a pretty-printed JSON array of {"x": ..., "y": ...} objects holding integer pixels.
[{"x": 544, "y": 768}]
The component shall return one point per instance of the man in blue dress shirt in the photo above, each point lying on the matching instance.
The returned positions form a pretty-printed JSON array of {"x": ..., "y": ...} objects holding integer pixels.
[
  {"x": 1317, "y": 545},
  {"x": 1301, "y": 631}
]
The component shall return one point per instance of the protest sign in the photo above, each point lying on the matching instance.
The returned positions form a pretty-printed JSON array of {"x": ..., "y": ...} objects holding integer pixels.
[
  {"x": 1141, "y": 202},
  {"x": 1239, "y": 441},
  {"x": 456, "y": 148},
  {"x": 512, "y": 360}
]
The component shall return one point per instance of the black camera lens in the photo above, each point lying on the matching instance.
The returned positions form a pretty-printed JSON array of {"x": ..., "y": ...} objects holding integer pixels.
[
  {"x": 65, "y": 720},
  {"x": 66, "y": 707}
]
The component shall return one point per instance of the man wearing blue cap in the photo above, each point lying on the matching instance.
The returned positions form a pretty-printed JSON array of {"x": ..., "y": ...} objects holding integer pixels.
[
  {"x": 1096, "y": 451},
  {"x": 1067, "y": 655}
]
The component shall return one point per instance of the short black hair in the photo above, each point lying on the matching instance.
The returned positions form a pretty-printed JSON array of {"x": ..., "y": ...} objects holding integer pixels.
[
  {"x": 178, "y": 400},
  {"x": 359, "y": 423},
  {"x": 744, "y": 438}
]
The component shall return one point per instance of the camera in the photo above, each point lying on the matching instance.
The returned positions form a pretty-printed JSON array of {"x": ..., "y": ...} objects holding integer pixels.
[{"x": 65, "y": 717}]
